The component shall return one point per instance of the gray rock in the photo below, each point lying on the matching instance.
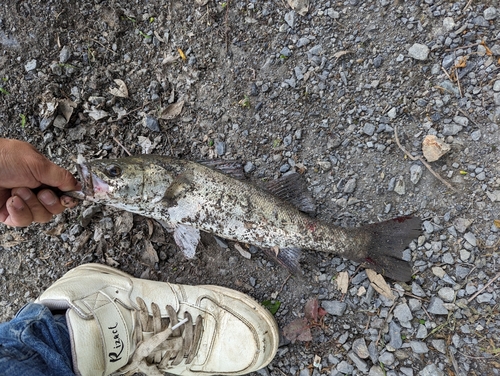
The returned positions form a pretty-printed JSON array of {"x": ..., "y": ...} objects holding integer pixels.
[
  {"x": 461, "y": 224},
  {"x": 284, "y": 168},
  {"x": 421, "y": 332},
  {"x": 387, "y": 358},
  {"x": 436, "y": 306},
  {"x": 484, "y": 298},
  {"x": 403, "y": 314},
  {"x": 65, "y": 54},
  {"x": 377, "y": 61},
  {"x": 448, "y": 23},
  {"x": 291, "y": 18},
  {"x": 476, "y": 135},
  {"x": 447, "y": 294},
  {"x": 334, "y": 307},
  {"x": 417, "y": 290},
  {"x": 400, "y": 187},
  {"x": 302, "y": 42},
  {"x": 376, "y": 371},
  {"x": 332, "y": 13},
  {"x": 419, "y": 347},
  {"x": 451, "y": 129},
  {"x": 461, "y": 120},
  {"x": 395, "y": 335},
  {"x": 358, "y": 362},
  {"x": 496, "y": 85},
  {"x": 490, "y": 13},
  {"x": 461, "y": 271},
  {"x": 448, "y": 60},
  {"x": 369, "y": 129},
  {"x": 220, "y": 148},
  {"x": 350, "y": 186},
  {"x": 30, "y": 65},
  {"x": 285, "y": 51},
  {"x": 360, "y": 348},
  {"x": 439, "y": 345},
  {"x": 431, "y": 370},
  {"x": 481, "y": 21},
  {"x": 344, "y": 368},
  {"x": 151, "y": 123},
  {"x": 415, "y": 173},
  {"x": 419, "y": 52},
  {"x": 470, "y": 238},
  {"x": 249, "y": 167}
]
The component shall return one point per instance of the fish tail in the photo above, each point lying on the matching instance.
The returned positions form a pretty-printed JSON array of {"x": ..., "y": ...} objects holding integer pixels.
[{"x": 388, "y": 240}]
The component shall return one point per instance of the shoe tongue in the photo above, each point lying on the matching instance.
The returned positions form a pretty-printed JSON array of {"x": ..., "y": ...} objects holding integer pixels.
[{"x": 102, "y": 343}]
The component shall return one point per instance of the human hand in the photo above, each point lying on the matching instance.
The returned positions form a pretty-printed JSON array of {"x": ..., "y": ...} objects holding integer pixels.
[{"x": 23, "y": 168}]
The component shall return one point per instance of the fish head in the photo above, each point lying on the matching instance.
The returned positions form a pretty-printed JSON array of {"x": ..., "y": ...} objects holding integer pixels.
[{"x": 134, "y": 184}]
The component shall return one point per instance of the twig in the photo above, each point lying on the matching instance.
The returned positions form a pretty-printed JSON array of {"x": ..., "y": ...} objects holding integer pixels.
[
  {"x": 484, "y": 287},
  {"x": 467, "y": 116},
  {"x": 103, "y": 46},
  {"x": 447, "y": 74},
  {"x": 467, "y": 5},
  {"x": 454, "y": 362},
  {"x": 421, "y": 159},
  {"x": 123, "y": 147},
  {"x": 458, "y": 82},
  {"x": 284, "y": 283}
]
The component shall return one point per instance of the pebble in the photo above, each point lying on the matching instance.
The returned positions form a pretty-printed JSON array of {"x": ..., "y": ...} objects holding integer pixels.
[
  {"x": 284, "y": 168},
  {"x": 415, "y": 173},
  {"x": 151, "y": 123},
  {"x": 403, "y": 314},
  {"x": 30, "y": 65},
  {"x": 496, "y": 85},
  {"x": 350, "y": 186},
  {"x": 360, "y": 348},
  {"x": 65, "y": 54},
  {"x": 436, "y": 306},
  {"x": 249, "y": 167},
  {"x": 343, "y": 367},
  {"x": 490, "y": 13},
  {"x": 451, "y": 129},
  {"x": 358, "y": 362},
  {"x": 419, "y": 51},
  {"x": 395, "y": 336},
  {"x": 431, "y": 370},
  {"x": 387, "y": 358},
  {"x": 220, "y": 148},
  {"x": 419, "y": 347},
  {"x": 484, "y": 298},
  {"x": 400, "y": 187},
  {"x": 302, "y": 42},
  {"x": 291, "y": 18},
  {"x": 448, "y": 23},
  {"x": 369, "y": 129},
  {"x": 376, "y": 371},
  {"x": 447, "y": 294},
  {"x": 334, "y": 307},
  {"x": 439, "y": 345},
  {"x": 470, "y": 238}
]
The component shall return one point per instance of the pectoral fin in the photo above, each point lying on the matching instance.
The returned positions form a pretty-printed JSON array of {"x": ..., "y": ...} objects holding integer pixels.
[
  {"x": 288, "y": 257},
  {"x": 187, "y": 238}
]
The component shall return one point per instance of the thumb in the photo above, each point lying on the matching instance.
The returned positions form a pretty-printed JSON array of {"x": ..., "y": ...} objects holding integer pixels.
[{"x": 50, "y": 174}]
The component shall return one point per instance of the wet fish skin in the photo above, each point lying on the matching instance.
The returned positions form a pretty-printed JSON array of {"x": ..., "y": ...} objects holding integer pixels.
[{"x": 188, "y": 197}]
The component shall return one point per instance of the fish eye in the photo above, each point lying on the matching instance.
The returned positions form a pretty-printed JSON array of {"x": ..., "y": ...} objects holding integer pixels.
[{"x": 113, "y": 171}]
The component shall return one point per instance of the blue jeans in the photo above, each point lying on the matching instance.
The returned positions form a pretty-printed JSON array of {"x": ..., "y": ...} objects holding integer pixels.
[{"x": 35, "y": 343}]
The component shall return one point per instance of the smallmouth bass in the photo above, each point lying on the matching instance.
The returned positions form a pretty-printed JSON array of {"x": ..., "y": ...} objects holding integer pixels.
[{"x": 189, "y": 197}]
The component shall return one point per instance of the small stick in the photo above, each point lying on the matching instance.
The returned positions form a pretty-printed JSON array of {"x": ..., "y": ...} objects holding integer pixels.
[
  {"x": 458, "y": 82},
  {"x": 466, "y": 6},
  {"x": 484, "y": 287},
  {"x": 447, "y": 74},
  {"x": 421, "y": 159},
  {"x": 123, "y": 147},
  {"x": 467, "y": 116}
]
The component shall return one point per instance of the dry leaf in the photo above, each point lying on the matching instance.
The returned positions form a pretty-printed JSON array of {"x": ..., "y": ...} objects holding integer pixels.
[
  {"x": 169, "y": 59},
  {"x": 343, "y": 282},
  {"x": 341, "y": 53},
  {"x": 56, "y": 231},
  {"x": 181, "y": 54},
  {"x": 172, "y": 110},
  {"x": 317, "y": 361},
  {"x": 299, "y": 330},
  {"x": 66, "y": 108},
  {"x": 120, "y": 91},
  {"x": 379, "y": 284},
  {"x": 311, "y": 309},
  {"x": 300, "y": 6},
  {"x": 488, "y": 51},
  {"x": 149, "y": 256},
  {"x": 462, "y": 62},
  {"x": 242, "y": 252},
  {"x": 496, "y": 222},
  {"x": 433, "y": 148}
]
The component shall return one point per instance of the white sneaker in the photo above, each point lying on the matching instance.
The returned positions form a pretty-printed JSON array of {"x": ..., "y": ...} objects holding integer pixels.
[{"x": 120, "y": 324}]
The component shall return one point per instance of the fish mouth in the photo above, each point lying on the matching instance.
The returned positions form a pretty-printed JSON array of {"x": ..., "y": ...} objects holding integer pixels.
[{"x": 92, "y": 185}]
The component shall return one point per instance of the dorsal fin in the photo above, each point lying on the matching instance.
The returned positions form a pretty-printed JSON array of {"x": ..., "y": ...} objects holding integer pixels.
[
  {"x": 231, "y": 168},
  {"x": 291, "y": 188}
]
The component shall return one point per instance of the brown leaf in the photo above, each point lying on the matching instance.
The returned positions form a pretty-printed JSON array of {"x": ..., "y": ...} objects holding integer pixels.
[
  {"x": 496, "y": 222},
  {"x": 298, "y": 330},
  {"x": 379, "y": 284},
  {"x": 56, "y": 231},
  {"x": 121, "y": 91},
  {"x": 343, "y": 282},
  {"x": 311, "y": 309},
  {"x": 149, "y": 256},
  {"x": 172, "y": 110}
]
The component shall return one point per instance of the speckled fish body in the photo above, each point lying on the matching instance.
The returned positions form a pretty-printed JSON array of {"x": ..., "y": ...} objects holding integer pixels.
[{"x": 188, "y": 197}]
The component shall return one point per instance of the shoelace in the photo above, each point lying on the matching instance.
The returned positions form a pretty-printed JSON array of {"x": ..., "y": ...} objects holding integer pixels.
[{"x": 171, "y": 343}]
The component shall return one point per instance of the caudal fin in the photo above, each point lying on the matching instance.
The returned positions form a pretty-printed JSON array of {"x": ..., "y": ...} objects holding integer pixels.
[{"x": 388, "y": 241}]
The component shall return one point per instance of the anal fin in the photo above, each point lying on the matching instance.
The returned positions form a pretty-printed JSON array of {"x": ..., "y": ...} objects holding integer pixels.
[
  {"x": 187, "y": 238},
  {"x": 288, "y": 257}
]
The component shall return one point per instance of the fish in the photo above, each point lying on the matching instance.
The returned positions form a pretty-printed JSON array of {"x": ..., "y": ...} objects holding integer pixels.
[{"x": 188, "y": 197}]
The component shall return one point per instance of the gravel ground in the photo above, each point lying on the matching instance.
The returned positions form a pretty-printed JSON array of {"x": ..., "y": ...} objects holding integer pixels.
[{"x": 322, "y": 90}]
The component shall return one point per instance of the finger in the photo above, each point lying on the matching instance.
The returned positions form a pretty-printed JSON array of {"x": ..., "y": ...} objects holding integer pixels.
[
  {"x": 51, "y": 174},
  {"x": 69, "y": 202},
  {"x": 50, "y": 201},
  {"x": 39, "y": 213},
  {"x": 19, "y": 214}
]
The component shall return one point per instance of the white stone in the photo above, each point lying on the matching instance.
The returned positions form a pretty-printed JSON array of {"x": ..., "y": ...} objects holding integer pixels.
[{"x": 419, "y": 51}]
